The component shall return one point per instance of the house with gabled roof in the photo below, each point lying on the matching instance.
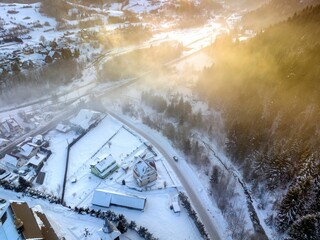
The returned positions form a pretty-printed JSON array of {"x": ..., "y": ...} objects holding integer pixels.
[
  {"x": 144, "y": 172},
  {"x": 109, "y": 231},
  {"x": 5, "y": 129},
  {"x": 27, "y": 151},
  {"x": 104, "y": 167},
  {"x": 85, "y": 119},
  {"x": 31, "y": 223},
  {"x": 10, "y": 162}
]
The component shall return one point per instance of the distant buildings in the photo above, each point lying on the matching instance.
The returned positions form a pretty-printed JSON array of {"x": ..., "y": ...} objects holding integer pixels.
[
  {"x": 144, "y": 172},
  {"x": 105, "y": 198},
  {"x": 18, "y": 221},
  {"x": 105, "y": 167}
]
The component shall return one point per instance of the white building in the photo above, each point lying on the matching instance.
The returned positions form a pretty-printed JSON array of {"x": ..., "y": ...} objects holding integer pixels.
[
  {"x": 144, "y": 172},
  {"x": 105, "y": 198}
]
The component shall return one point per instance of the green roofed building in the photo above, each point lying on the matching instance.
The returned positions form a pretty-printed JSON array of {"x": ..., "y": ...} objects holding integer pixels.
[{"x": 105, "y": 167}]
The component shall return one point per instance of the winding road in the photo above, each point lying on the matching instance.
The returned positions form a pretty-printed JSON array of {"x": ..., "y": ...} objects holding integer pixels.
[{"x": 192, "y": 193}]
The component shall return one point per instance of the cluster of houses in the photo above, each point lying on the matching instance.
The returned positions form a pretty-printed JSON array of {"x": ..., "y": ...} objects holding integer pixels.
[
  {"x": 25, "y": 160},
  {"x": 144, "y": 172},
  {"x": 45, "y": 52},
  {"x": 19, "y": 221}
]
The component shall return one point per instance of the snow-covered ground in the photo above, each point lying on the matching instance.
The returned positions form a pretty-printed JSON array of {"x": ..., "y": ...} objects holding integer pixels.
[
  {"x": 27, "y": 15},
  {"x": 124, "y": 146}
]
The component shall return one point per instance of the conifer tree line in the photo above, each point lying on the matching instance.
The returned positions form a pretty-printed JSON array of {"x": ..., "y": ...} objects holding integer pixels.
[{"x": 267, "y": 90}]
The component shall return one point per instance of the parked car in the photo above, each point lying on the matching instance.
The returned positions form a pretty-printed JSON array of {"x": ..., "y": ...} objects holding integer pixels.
[{"x": 175, "y": 158}]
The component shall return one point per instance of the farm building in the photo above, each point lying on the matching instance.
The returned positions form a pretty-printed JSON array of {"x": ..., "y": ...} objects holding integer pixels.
[
  {"x": 105, "y": 198},
  {"x": 105, "y": 167}
]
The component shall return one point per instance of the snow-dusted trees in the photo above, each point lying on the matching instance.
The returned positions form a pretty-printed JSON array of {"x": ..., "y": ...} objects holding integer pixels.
[
  {"x": 308, "y": 227},
  {"x": 301, "y": 199}
]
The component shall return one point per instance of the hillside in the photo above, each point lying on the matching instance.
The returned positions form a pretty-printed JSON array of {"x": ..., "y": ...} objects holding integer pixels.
[
  {"x": 273, "y": 12},
  {"x": 268, "y": 91}
]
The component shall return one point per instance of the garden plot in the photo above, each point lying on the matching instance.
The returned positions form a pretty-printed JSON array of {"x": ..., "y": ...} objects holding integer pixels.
[{"x": 55, "y": 165}]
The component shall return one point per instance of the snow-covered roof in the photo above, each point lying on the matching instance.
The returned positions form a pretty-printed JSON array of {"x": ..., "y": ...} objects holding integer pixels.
[
  {"x": 142, "y": 168},
  {"x": 146, "y": 155},
  {"x": 51, "y": 53},
  {"x": 3, "y": 141},
  {"x": 5, "y": 126},
  {"x": 37, "y": 138},
  {"x": 63, "y": 128},
  {"x": 101, "y": 198},
  {"x": 109, "y": 231},
  {"x": 9, "y": 160},
  {"x": 37, "y": 159},
  {"x": 26, "y": 150},
  {"x": 85, "y": 118},
  {"x": 105, "y": 198},
  {"x": 176, "y": 207},
  {"x": 105, "y": 163}
]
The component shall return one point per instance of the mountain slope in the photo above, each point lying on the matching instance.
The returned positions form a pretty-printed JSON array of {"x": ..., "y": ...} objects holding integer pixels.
[{"x": 268, "y": 91}]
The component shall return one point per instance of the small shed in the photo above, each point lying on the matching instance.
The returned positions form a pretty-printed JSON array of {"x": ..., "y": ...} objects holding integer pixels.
[{"x": 176, "y": 207}]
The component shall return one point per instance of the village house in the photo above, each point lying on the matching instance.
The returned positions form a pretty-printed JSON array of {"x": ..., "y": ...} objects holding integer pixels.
[
  {"x": 109, "y": 231},
  {"x": 14, "y": 126},
  {"x": 26, "y": 151},
  {"x": 5, "y": 130},
  {"x": 85, "y": 119},
  {"x": 37, "y": 161},
  {"x": 10, "y": 162},
  {"x": 31, "y": 223},
  {"x": 144, "y": 172},
  {"x": 104, "y": 167},
  {"x": 10, "y": 127}
]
